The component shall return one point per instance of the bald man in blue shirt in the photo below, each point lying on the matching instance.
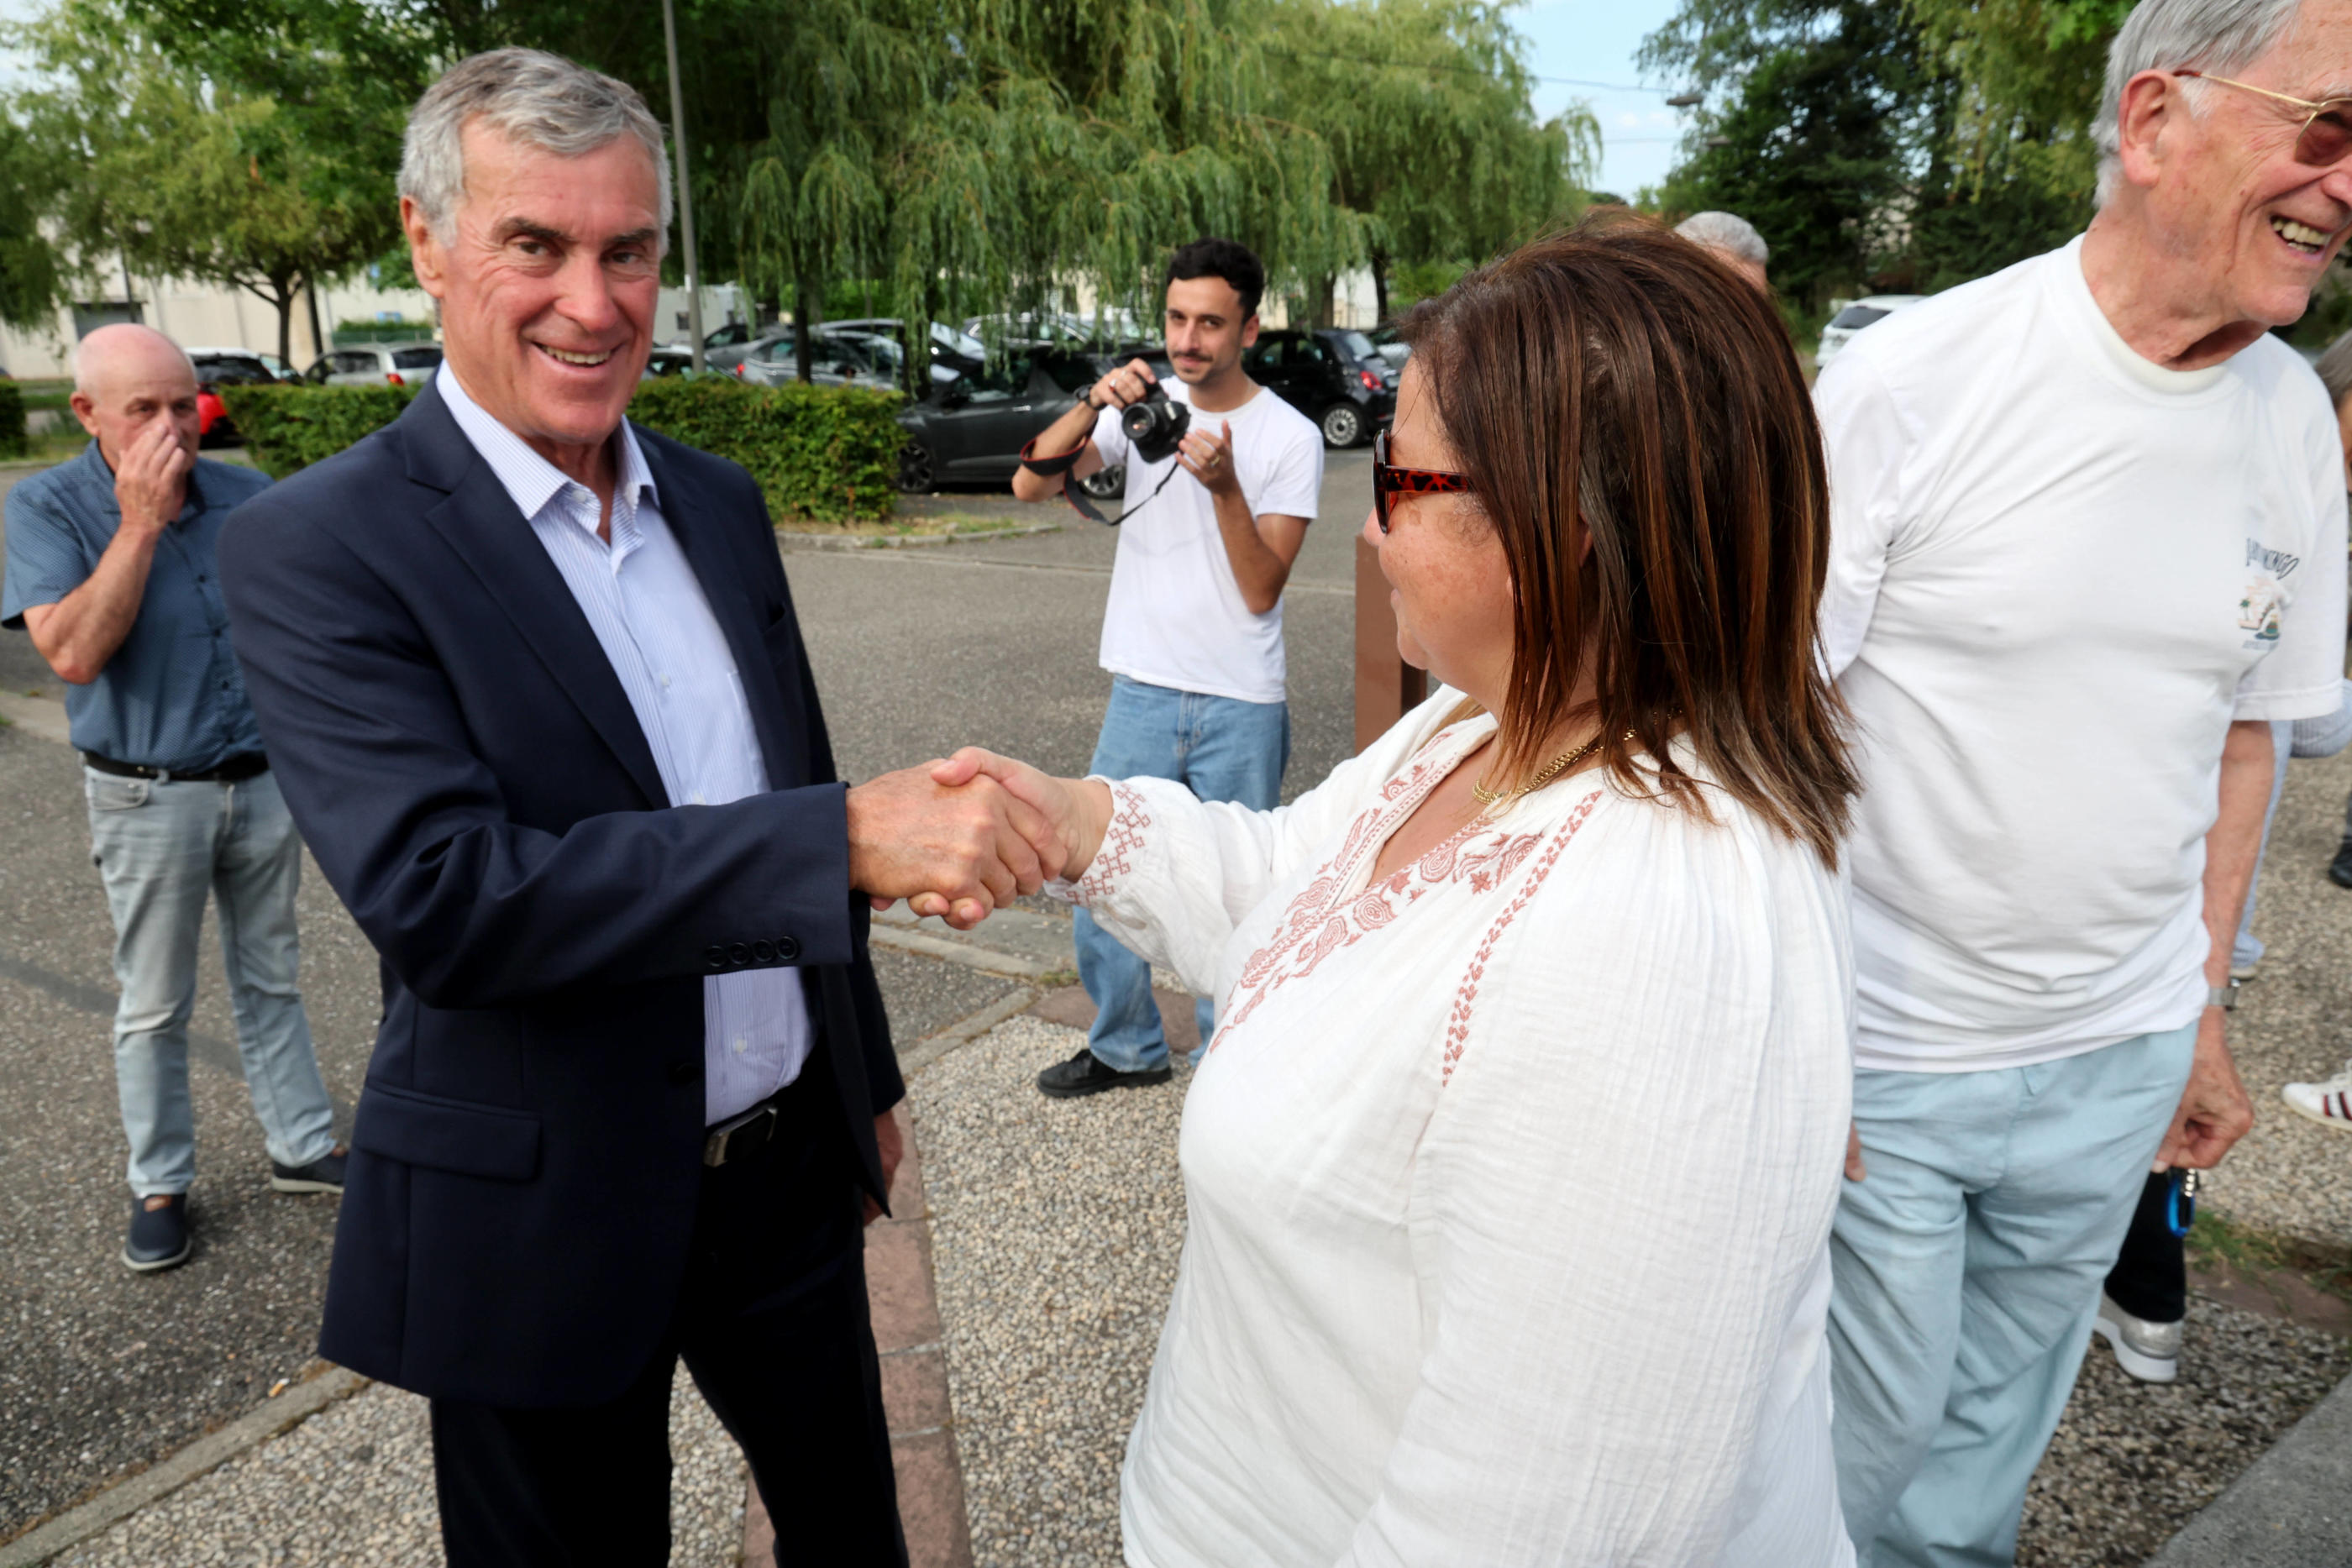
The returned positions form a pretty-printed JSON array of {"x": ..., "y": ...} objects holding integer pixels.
[{"x": 110, "y": 568}]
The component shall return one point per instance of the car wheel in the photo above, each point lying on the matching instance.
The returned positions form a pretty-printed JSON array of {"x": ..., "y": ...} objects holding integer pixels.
[
  {"x": 1106, "y": 483},
  {"x": 1343, "y": 424},
  {"x": 915, "y": 475}
]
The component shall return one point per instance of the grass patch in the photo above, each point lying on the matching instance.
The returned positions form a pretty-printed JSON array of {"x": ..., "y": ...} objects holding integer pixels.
[
  {"x": 2254, "y": 1253},
  {"x": 959, "y": 527},
  {"x": 45, "y": 393}
]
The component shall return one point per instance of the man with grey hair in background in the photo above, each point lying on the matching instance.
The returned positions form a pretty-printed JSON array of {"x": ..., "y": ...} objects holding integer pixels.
[
  {"x": 2087, "y": 542},
  {"x": 110, "y": 569},
  {"x": 1733, "y": 238},
  {"x": 546, "y": 719}
]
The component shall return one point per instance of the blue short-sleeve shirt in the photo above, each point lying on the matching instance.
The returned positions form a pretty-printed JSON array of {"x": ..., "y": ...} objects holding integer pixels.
[{"x": 171, "y": 696}]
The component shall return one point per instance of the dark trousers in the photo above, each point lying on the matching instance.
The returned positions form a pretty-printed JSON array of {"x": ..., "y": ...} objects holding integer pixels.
[
  {"x": 772, "y": 1322},
  {"x": 2150, "y": 1278}
]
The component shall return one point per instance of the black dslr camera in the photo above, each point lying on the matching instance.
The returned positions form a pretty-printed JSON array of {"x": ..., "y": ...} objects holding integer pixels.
[{"x": 1154, "y": 425}]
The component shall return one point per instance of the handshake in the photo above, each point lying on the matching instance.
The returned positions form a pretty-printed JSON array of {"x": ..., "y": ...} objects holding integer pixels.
[{"x": 962, "y": 837}]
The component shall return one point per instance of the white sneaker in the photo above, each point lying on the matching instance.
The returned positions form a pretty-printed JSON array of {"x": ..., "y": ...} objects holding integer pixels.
[
  {"x": 2329, "y": 1102},
  {"x": 2149, "y": 1352}
]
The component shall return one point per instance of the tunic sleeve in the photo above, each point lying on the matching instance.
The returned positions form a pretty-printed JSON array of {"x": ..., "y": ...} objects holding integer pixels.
[
  {"x": 1176, "y": 874},
  {"x": 1621, "y": 1205}
]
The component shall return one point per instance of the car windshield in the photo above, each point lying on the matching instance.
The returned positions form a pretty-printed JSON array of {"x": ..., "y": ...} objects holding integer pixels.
[
  {"x": 227, "y": 369},
  {"x": 1855, "y": 316},
  {"x": 415, "y": 358},
  {"x": 1357, "y": 344}
]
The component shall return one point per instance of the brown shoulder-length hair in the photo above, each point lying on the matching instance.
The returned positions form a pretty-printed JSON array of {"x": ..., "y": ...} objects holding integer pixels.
[{"x": 1618, "y": 384}]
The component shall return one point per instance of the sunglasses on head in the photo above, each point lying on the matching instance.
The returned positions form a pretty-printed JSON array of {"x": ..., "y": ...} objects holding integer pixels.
[
  {"x": 1391, "y": 481},
  {"x": 2326, "y": 136}
]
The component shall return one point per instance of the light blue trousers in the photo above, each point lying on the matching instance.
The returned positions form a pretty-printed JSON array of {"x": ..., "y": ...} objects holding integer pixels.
[
  {"x": 1221, "y": 749},
  {"x": 163, "y": 848},
  {"x": 1966, "y": 1267}
]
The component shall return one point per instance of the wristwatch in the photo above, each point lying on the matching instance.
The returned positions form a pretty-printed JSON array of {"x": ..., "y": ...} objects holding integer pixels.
[{"x": 2223, "y": 997}]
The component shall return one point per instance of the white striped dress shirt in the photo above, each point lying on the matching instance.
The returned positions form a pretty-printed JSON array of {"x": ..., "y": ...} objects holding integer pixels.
[{"x": 647, "y": 609}]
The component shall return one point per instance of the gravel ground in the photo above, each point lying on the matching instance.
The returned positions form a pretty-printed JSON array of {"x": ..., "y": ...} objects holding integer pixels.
[
  {"x": 2295, "y": 1023},
  {"x": 1050, "y": 1339},
  {"x": 1056, "y": 1227},
  {"x": 354, "y": 1485},
  {"x": 2132, "y": 1461}
]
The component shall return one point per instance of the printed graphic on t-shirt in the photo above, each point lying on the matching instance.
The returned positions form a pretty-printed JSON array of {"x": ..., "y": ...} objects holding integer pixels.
[{"x": 2258, "y": 611}]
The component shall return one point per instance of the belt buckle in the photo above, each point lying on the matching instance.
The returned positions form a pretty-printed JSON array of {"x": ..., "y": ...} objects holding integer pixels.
[{"x": 716, "y": 1149}]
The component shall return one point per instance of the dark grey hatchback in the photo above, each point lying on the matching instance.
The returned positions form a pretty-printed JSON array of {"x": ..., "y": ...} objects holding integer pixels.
[
  {"x": 971, "y": 430},
  {"x": 1333, "y": 375}
]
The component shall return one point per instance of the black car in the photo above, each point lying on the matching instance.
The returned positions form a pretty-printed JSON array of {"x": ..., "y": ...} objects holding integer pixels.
[
  {"x": 1332, "y": 375},
  {"x": 212, "y": 372},
  {"x": 973, "y": 429}
]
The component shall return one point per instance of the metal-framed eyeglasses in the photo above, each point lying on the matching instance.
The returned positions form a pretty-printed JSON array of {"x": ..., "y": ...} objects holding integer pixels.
[
  {"x": 1387, "y": 481},
  {"x": 2325, "y": 138}
]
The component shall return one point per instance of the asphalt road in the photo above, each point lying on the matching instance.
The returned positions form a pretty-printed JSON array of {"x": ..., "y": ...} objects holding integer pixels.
[{"x": 102, "y": 1371}]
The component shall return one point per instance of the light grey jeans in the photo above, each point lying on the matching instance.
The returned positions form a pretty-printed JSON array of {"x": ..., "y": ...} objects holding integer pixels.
[{"x": 163, "y": 848}]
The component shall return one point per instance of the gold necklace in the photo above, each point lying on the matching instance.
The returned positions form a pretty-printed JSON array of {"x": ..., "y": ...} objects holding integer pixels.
[{"x": 1492, "y": 799}]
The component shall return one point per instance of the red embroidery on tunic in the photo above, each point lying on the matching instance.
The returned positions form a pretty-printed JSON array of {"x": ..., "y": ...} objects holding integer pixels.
[
  {"x": 1121, "y": 840},
  {"x": 1457, "y": 1025}
]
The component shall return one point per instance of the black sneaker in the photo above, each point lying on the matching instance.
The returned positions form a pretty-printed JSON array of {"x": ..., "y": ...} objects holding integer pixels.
[
  {"x": 324, "y": 1173},
  {"x": 1082, "y": 1074},
  {"x": 159, "y": 1233},
  {"x": 2339, "y": 870}
]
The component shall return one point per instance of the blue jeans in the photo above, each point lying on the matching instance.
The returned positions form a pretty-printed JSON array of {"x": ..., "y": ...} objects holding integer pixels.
[
  {"x": 2305, "y": 738},
  {"x": 1221, "y": 749},
  {"x": 163, "y": 848},
  {"x": 1967, "y": 1268}
]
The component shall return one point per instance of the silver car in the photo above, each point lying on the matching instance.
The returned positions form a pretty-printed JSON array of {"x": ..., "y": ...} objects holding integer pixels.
[
  {"x": 376, "y": 365},
  {"x": 1862, "y": 313},
  {"x": 840, "y": 361}
]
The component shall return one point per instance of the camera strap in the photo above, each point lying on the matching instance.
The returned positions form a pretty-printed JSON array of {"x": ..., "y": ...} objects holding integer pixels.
[{"x": 1061, "y": 462}]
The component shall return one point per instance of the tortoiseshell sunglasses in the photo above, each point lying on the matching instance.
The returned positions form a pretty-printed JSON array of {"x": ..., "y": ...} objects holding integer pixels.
[
  {"x": 2326, "y": 134},
  {"x": 1390, "y": 481}
]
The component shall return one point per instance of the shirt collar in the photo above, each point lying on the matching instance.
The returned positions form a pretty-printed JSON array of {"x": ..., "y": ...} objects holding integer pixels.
[{"x": 532, "y": 480}]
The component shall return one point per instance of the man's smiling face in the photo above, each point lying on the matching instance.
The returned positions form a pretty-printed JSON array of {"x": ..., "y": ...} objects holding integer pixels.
[
  {"x": 2268, "y": 225},
  {"x": 547, "y": 284}
]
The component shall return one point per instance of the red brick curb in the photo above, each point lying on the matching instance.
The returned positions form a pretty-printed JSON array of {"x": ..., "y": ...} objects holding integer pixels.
[{"x": 914, "y": 1383}]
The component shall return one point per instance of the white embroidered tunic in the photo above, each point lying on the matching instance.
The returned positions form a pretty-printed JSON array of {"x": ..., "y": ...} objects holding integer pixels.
[{"x": 1509, "y": 1178}]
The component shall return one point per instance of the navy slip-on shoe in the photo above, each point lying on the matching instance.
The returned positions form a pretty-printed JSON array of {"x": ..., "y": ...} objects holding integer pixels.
[
  {"x": 159, "y": 1236},
  {"x": 324, "y": 1173}
]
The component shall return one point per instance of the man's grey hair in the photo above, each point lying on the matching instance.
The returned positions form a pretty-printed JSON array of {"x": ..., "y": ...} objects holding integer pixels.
[
  {"x": 2335, "y": 370},
  {"x": 528, "y": 96},
  {"x": 1727, "y": 231},
  {"x": 2223, "y": 36}
]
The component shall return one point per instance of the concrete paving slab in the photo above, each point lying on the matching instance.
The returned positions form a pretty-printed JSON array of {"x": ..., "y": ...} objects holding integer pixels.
[{"x": 2291, "y": 1509}]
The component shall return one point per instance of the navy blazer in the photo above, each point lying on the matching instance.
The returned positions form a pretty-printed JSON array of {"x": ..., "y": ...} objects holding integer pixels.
[{"x": 466, "y": 768}]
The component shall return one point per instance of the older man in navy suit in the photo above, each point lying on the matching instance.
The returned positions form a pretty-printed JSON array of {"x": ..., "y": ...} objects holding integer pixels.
[{"x": 538, "y": 703}]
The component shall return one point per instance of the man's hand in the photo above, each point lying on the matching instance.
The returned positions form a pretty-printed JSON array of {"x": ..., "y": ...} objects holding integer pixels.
[
  {"x": 1210, "y": 459},
  {"x": 2214, "y": 1111},
  {"x": 1076, "y": 812},
  {"x": 150, "y": 483},
  {"x": 1128, "y": 384},
  {"x": 976, "y": 847},
  {"x": 893, "y": 1149}
]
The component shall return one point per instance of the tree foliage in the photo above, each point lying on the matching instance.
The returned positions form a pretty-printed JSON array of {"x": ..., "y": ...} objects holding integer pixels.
[
  {"x": 31, "y": 273},
  {"x": 184, "y": 177}
]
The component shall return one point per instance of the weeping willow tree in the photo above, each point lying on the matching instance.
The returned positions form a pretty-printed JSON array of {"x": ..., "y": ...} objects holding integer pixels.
[{"x": 1424, "y": 106}]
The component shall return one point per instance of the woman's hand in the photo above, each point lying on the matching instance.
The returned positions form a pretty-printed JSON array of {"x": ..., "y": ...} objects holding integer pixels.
[{"x": 1077, "y": 812}]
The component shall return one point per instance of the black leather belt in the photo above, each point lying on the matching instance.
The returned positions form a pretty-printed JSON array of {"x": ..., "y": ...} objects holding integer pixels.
[
  {"x": 746, "y": 1134},
  {"x": 245, "y": 765}
]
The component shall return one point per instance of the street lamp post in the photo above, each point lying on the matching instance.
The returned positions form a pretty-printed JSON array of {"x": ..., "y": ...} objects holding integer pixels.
[{"x": 685, "y": 188}]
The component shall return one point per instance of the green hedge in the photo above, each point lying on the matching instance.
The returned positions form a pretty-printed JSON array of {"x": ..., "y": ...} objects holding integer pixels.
[
  {"x": 13, "y": 440},
  {"x": 824, "y": 454}
]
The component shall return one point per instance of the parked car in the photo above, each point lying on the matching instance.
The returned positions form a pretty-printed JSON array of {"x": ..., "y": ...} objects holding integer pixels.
[
  {"x": 956, "y": 353},
  {"x": 1332, "y": 375},
  {"x": 1391, "y": 346},
  {"x": 1063, "y": 327},
  {"x": 840, "y": 361},
  {"x": 1862, "y": 313},
  {"x": 279, "y": 369},
  {"x": 672, "y": 361},
  {"x": 376, "y": 365},
  {"x": 215, "y": 367},
  {"x": 973, "y": 429}
]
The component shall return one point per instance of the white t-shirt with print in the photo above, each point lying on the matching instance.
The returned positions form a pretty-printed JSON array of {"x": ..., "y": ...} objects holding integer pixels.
[
  {"x": 2057, "y": 572},
  {"x": 1176, "y": 617}
]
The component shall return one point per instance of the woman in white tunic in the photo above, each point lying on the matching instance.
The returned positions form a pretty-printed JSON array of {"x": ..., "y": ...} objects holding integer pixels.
[{"x": 1509, "y": 1170}]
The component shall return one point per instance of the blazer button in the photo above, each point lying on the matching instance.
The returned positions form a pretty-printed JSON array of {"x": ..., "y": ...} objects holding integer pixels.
[
  {"x": 681, "y": 1071},
  {"x": 714, "y": 959},
  {"x": 739, "y": 954},
  {"x": 764, "y": 951},
  {"x": 787, "y": 949}
]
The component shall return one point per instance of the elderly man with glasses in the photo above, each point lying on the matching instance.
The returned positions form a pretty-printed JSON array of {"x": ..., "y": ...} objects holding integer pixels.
[{"x": 2088, "y": 523}]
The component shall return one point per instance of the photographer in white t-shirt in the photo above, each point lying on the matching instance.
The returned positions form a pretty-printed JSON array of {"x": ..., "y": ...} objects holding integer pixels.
[{"x": 1193, "y": 634}]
